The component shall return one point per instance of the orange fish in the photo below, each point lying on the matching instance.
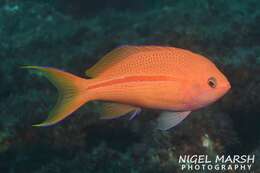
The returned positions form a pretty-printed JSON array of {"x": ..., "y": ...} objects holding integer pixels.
[{"x": 133, "y": 77}]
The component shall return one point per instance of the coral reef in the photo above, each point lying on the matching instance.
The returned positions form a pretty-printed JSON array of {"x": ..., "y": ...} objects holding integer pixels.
[{"x": 74, "y": 35}]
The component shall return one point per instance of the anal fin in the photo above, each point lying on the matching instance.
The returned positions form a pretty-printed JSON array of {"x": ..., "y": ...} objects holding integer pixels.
[
  {"x": 115, "y": 110},
  {"x": 135, "y": 113}
]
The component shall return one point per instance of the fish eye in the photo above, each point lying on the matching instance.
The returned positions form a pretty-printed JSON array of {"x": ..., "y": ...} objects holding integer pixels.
[{"x": 212, "y": 82}]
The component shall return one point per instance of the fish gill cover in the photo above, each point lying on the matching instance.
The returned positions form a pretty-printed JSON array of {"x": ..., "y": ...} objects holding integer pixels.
[{"x": 73, "y": 35}]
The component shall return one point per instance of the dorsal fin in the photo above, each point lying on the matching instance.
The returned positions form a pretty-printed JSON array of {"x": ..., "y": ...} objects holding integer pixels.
[
  {"x": 115, "y": 56},
  {"x": 109, "y": 59}
]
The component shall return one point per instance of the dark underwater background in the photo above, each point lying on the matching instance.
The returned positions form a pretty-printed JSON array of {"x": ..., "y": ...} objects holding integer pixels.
[{"x": 73, "y": 34}]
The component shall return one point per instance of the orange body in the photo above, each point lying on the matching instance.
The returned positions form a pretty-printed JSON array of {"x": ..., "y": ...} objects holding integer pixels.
[
  {"x": 134, "y": 77},
  {"x": 156, "y": 77}
]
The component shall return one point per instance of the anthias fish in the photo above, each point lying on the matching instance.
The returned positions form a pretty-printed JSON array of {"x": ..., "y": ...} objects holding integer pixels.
[{"x": 130, "y": 78}]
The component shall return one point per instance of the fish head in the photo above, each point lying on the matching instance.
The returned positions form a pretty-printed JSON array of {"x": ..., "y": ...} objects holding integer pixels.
[{"x": 208, "y": 84}]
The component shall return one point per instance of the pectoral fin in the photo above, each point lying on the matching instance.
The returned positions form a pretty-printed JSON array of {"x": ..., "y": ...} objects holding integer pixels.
[
  {"x": 168, "y": 120},
  {"x": 115, "y": 110}
]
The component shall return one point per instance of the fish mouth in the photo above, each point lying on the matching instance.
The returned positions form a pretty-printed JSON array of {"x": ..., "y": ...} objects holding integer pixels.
[
  {"x": 223, "y": 89},
  {"x": 227, "y": 87}
]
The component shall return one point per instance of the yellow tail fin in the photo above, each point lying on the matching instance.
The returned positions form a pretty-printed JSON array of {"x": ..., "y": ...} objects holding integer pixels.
[{"x": 72, "y": 93}]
